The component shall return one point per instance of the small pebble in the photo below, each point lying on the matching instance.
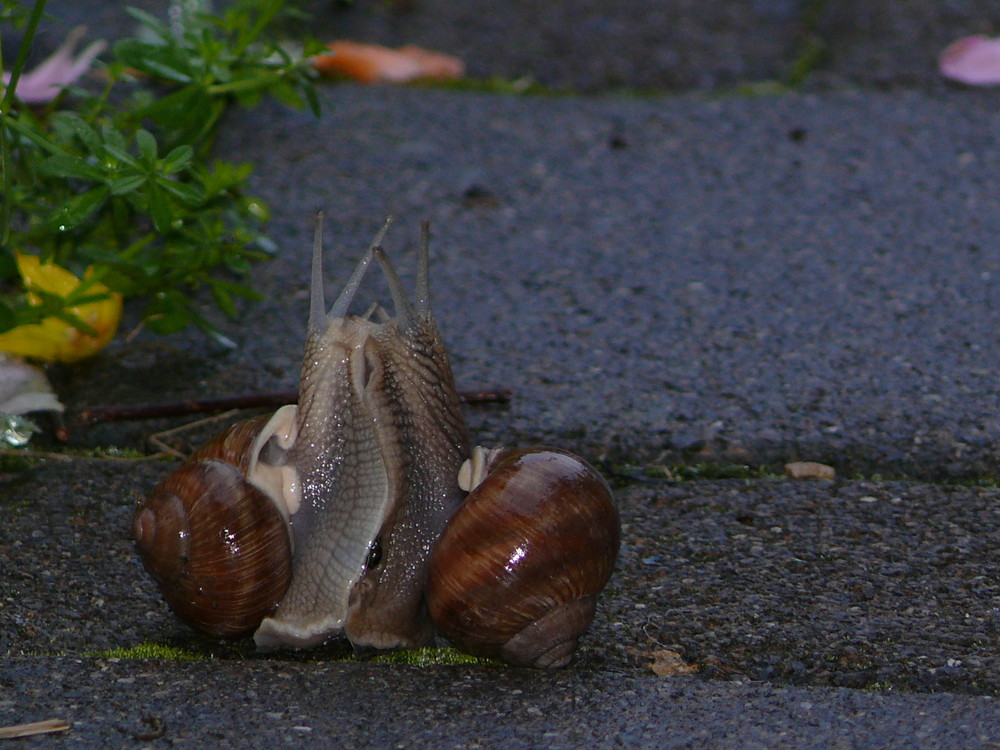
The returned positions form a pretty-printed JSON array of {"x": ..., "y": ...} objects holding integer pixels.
[{"x": 809, "y": 470}]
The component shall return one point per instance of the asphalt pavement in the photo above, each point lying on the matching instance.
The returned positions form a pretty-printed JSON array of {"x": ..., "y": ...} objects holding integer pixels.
[{"x": 682, "y": 271}]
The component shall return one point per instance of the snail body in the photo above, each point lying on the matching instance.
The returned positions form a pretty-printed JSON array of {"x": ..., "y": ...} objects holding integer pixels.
[{"x": 356, "y": 485}]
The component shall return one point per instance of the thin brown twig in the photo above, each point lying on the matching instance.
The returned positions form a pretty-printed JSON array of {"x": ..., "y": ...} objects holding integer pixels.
[
  {"x": 36, "y": 727},
  {"x": 95, "y": 414},
  {"x": 159, "y": 441},
  {"x": 501, "y": 396},
  {"x": 30, "y": 453}
]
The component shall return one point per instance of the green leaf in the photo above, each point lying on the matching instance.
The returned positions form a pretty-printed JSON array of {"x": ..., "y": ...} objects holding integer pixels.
[
  {"x": 168, "y": 312},
  {"x": 309, "y": 91},
  {"x": 159, "y": 208},
  {"x": 121, "y": 155},
  {"x": 256, "y": 208},
  {"x": 287, "y": 94},
  {"x": 70, "y": 318},
  {"x": 77, "y": 210},
  {"x": 113, "y": 137},
  {"x": 223, "y": 298},
  {"x": 193, "y": 195},
  {"x": 69, "y": 167},
  {"x": 177, "y": 159},
  {"x": 162, "y": 61},
  {"x": 182, "y": 110},
  {"x": 147, "y": 145},
  {"x": 127, "y": 184},
  {"x": 8, "y": 266},
  {"x": 249, "y": 98},
  {"x": 212, "y": 332},
  {"x": 8, "y": 318},
  {"x": 70, "y": 124},
  {"x": 103, "y": 257},
  {"x": 238, "y": 264},
  {"x": 151, "y": 22},
  {"x": 239, "y": 290}
]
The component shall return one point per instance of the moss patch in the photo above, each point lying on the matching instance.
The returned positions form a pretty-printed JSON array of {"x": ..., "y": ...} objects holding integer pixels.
[
  {"x": 422, "y": 657},
  {"x": 160, "y": 651},
  {"x": 428, "y": 657}
]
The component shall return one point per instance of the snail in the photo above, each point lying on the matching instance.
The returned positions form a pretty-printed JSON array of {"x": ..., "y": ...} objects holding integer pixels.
[
  {"x": 217, "y": 545},
  {"x": 517, "y": 570},
  {"x": 360, "y": 525}
]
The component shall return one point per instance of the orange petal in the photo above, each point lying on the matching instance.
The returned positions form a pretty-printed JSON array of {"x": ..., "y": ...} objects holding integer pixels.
[
  {"x": 435, "y": 64},
  {"x": 371, "y": 63},
  {"x": 367, "y": 63}
]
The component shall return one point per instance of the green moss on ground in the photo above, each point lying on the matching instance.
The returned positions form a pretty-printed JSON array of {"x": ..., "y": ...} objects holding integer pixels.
[{"x": 422, "y": 657}]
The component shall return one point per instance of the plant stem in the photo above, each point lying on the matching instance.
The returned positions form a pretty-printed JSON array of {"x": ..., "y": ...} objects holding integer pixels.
[
  {"x": 22, "y": 56},
  {"x": 245, "y": 84},
  {"x": 32, "y": 135},
  {"x": 5, "y": 105}
]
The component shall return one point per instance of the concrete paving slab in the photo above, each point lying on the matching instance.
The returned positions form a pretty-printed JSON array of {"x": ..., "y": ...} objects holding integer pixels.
[
  {"x": 113, "y": 703},
  {"x": 694, "y": 279},
  {"x": 874, "y": 585},
  {"x": 894, "y": 45},
  {"x": 747, "y": 279}
]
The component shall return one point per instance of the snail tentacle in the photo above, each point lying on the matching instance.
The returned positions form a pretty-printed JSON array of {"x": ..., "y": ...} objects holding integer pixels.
[
  {"x": 318, "y": 316},
  {"x": 403, "y": 308},
  {"x": 423, "y": 293}
]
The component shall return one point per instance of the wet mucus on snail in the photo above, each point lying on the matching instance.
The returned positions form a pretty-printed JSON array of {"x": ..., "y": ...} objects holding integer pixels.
[{"x": 362, "y": 512}]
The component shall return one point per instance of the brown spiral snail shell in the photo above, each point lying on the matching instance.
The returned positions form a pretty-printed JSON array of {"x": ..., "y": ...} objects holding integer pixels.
[
  {"x": 517, "y": 570},
  {"x": 357, "y": 522},
  {"x": 216, "y": 544}
]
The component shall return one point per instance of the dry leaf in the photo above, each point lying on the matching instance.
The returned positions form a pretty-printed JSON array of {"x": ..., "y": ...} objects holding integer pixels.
[
  {"x": 666, "y": 663},
  {"x": 373, "y": 63},
  {"x": 809, "y": 470},
  {"x": 36, "y": 727}
]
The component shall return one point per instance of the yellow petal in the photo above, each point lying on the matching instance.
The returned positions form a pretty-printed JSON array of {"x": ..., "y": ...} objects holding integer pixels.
[
  {"x": 50, "y": 277},
  {"x": 52, "y": 338}
]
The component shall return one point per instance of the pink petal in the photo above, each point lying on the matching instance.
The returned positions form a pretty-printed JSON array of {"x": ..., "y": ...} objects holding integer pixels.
[
  {"x": 43, "y": 83},
  {"x": 973, "y": 59}
]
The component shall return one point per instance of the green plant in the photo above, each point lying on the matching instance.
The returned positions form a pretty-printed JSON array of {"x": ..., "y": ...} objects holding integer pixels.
[{"x": 124, "y": 182}]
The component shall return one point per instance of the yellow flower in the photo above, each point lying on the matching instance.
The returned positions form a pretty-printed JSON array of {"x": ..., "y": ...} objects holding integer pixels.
[{"x": 55, "y": 339}]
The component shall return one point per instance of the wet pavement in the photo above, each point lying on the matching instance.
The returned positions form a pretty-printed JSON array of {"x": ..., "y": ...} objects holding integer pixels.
[{"x": 689, "y": 288}]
